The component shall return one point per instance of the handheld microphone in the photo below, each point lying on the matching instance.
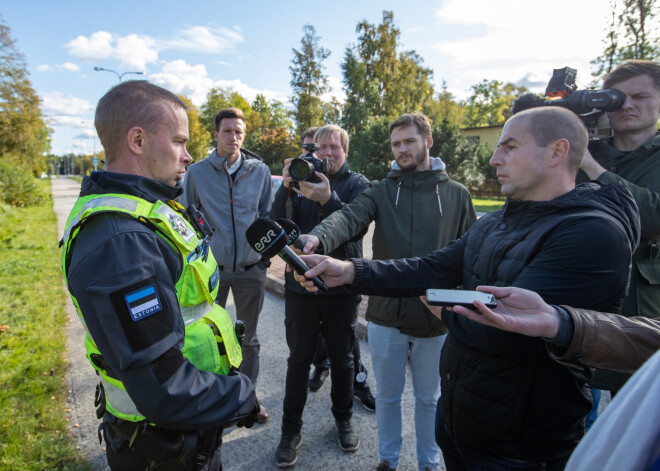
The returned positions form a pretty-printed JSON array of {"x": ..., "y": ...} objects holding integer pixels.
[
  {"x": 292, "y": 232},
  {"x": 268, "y": 239}
]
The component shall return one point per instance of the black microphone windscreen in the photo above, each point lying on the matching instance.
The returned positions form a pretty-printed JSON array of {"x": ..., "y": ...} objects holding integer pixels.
[
  {"x": 292, "y": 232},
  {"x": 527, "y": 101},
  {"x": 266, "y": 237}
]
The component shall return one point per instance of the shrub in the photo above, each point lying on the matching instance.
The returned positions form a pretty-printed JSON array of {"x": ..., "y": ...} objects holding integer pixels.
[{"x": 18, "y": 187}]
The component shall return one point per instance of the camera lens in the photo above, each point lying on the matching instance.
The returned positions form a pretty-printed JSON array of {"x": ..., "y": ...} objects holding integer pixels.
[{"x": 300, "y": 169}]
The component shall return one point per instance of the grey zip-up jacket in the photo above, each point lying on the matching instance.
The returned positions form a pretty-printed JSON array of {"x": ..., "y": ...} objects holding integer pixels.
[
  {"x": 415, "y": 214},
  {"x": 230, "y": 206}
]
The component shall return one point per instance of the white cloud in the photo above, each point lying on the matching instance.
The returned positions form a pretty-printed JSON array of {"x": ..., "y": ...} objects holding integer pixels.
[
  {"x": 184, "y": 79},
  {"x": 248, "y": 92},
  {"x": 131, "y": 51},
  {"x": 57, "y": 106},
  {"x": 518, "y": 39},
  {"x": 70, "y": 66},
  {"x": 200, "y": 39}
]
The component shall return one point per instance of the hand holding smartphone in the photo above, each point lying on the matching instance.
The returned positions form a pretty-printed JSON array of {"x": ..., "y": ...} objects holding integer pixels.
[{"x": 458, "y": 297}]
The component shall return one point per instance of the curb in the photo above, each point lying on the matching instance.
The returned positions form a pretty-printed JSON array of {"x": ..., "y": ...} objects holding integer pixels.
[{"x": 275, "y": 285}]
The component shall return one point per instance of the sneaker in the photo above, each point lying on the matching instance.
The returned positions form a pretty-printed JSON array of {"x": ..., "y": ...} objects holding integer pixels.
[
  {"x": 286, "y": 454},
  {"x": 318, "y": 378},
  {"x": 365, "y": 397},
  {"x": 385, "y": 466},
  {"x": 348, "y": 438}
]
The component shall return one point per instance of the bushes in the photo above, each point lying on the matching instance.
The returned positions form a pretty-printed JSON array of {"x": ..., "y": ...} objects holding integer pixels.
[{"x": 18, "y": 187}]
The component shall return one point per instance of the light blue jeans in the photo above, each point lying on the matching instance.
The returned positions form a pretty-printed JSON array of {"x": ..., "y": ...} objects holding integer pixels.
[{"x": 389, "y": 355}]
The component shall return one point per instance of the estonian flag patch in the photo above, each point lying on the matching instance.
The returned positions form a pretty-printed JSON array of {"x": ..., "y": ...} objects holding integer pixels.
[{"x": 143, "y": 302}]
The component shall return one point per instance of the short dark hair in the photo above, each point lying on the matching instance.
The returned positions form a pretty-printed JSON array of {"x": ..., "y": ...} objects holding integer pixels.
[
  {"x": 232, "y": 113},
  {"x": 549, "y": 124},
  {"x": 633, "y": 68},
  {"x": 309, "y": 132},
  {"x": 129, "y": 104},
  {"x": 419, "y": 120}
]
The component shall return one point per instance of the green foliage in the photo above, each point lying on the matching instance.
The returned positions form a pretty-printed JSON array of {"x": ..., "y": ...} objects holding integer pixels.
[
  {"x": 24, "y": 136},
  {"x": 633, "y": 34},
  {"x": 33, "y": 423},
  {"x": 490, "y": 103},
  {"x": 216, "y": 100},
  {"x": 371, "y": 154},
  {"x": 308, "y": 82},
  {"x": 18, "y": 187},
  {"x": 198, "y": 144},
  {"x": 463, "y": 157},
  {"x": 380, "y": 82}
]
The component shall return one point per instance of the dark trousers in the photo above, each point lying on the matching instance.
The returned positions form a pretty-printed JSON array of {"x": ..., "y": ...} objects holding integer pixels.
[
  {"x": 322, "y": 361},
  {"x": 305, "y": 316},
  {"x": 460, "y": 458}
]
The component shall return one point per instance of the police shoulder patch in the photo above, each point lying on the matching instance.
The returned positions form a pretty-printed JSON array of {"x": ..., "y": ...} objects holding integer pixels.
[{"x": 143, "y": 302}]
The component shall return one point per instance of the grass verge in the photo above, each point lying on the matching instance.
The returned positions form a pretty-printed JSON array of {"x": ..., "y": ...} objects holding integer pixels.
[
  {"x": 483, "y": 205},
  {"x": 33, "y": 422}
]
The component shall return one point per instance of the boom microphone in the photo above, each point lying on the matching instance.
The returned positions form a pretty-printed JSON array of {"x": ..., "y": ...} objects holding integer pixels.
[
  {"x": 292, "y": 232},
  {"x": 268, "y": 239}
]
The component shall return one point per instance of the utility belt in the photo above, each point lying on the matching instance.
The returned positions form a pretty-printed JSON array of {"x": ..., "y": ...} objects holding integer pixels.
[{"x": 165, "y": 449}]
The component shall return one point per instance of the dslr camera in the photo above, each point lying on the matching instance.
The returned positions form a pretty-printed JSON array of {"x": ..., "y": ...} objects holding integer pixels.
[
  {"x": 590, "y": 105},
  {"x": 303, "y": 168}
]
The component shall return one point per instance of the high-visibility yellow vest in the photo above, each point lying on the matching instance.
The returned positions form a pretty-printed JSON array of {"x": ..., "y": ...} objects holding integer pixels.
[{"x": 210, "y": 341}]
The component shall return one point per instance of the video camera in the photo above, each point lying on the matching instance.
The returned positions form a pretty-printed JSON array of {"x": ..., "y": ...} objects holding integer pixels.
[
  {"x": 589, "y": 105},
  {"x": 303, "y": 168}
]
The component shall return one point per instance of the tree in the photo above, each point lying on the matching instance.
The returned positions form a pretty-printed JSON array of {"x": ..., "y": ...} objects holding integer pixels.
[
  {"x": 308, "y": 81},
  {"x": 490, "y": 103},
  {"x": 198, "y": 143},
  {"x": 24, "y": 136},
  {"x": 216, "y": 100},
  {"x": 380, "y": 81},
  {"x": 443, "y": 106},
  {"x": 638, "y": 33}
]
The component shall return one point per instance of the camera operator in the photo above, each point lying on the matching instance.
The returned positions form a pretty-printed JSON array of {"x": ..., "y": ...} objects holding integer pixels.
[
  {"x": 334, "y": 314},
  {"x": 632, "y": 156}
]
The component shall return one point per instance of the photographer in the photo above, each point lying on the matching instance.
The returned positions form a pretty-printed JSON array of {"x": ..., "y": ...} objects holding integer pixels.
[
  {"x": 334, "y": 314},
  {"x": 632, "y": 156}
]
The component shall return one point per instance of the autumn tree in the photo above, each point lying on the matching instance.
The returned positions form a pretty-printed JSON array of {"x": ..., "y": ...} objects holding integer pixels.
[
  {"x": 24, "y": 136},
  {"x": 216, "y": 100},
  {"x": 632, "y": 34},
  {"x": 490, "y": 103},
  {"x": 198, "y": 143},
  {"x": 308, "y": 81}
]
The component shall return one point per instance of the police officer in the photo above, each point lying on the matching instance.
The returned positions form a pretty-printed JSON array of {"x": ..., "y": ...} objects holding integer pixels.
[{"x": 144, "y": 283}]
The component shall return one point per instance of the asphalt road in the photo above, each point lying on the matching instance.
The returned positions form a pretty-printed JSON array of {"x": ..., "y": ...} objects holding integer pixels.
[{"x": 243, "y": 449}]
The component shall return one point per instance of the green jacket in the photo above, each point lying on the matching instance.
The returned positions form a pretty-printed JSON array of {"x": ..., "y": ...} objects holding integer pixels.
[
  {"x": 639, "y": 171},
  {"x": 415, "y": 214}
]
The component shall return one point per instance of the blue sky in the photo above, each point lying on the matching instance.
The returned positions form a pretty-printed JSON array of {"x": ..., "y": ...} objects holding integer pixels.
[{"x": 189, "y": 47}]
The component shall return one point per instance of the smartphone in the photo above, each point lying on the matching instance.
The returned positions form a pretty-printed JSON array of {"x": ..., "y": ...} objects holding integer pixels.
[{"x": 458, "y": 297}]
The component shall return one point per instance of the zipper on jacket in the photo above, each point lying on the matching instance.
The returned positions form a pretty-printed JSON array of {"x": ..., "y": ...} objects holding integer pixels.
[
  {"x": 437, "y": 193},
  {"x": 398, "y": 190}
]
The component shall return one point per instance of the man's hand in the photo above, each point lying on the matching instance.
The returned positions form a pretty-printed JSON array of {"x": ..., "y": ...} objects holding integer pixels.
[
  {"x": 334, "y": 272},
  {"x": 518, "y": 310},
  {"x": 286, "y": 176},
  {"x": 319, "y": 192},
  {"x": 249, "y": 421},
  {"x": 592, "y": 168},
  {"x": 311, "y": 243}
]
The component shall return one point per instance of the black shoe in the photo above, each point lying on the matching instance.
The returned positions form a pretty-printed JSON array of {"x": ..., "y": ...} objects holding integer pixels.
[
  {"x": 286, "y": 454},
  {"x": 384, "y": 466},
  {"x": 365, "y": 396},
  {"x": 348, "y": 439},
  {"x": 318, "y": 378}
]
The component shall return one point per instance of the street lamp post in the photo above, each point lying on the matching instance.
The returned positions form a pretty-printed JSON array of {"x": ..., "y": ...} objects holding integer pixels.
[{"x": 119, "y": 76}]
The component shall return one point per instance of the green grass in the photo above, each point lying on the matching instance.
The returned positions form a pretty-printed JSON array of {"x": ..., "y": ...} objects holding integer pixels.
[
  {"x": 33, "y": 422},
  {"x": 482, "y": 205}
]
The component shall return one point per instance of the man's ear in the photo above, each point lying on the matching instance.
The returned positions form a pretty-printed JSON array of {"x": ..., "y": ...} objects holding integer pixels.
[
  {"x": 560, "y": 150},
  {"x": 429, "y": 142},
  {"x": 135, "y": 140}
]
